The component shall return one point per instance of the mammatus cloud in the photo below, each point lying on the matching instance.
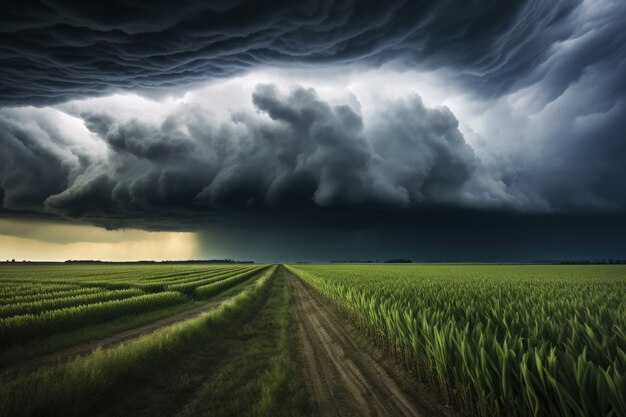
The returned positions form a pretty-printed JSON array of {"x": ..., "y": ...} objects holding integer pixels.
[
  {"x": 54, "y": 51},
  {"x": 296, "y": 151}
]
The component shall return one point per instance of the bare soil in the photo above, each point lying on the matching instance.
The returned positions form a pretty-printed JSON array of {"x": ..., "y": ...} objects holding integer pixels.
[{"x": 346, "y": 377}]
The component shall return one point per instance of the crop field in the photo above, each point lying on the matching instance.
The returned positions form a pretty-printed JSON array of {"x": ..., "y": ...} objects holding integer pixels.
[
  {"x": 34, "y": 305},
  {"x": 312, "y": 339},
  {"x": 496, "y": 340}
]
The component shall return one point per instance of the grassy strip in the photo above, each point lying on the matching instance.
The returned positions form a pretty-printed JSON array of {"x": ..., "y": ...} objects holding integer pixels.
[
  {"x": 261, "y": 377},
  {"x": 86, "y": 384}
]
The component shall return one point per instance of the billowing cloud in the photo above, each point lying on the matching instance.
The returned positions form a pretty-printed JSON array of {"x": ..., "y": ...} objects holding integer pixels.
[
  {"x": 54, "y": 51},
  {"x": 559, "y": 135},
  {"x": 293, "y": 151},
  {"x": 405, "y": 113}
]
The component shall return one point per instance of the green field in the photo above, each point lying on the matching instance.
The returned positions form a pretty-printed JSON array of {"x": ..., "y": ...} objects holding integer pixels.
[
  {"x": 508, "y": 340},
  {"x": 43, "y": 301},
  {"x": 484, "y": 340}
]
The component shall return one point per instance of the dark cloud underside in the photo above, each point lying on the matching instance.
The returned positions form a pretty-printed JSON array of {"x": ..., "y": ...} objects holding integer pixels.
[
  {"x": 429, "y": 235},
  {"x": 53, "y": 51}
]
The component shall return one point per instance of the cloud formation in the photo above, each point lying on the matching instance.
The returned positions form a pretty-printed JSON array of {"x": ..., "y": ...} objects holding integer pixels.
[
  {"x": 295, "y": 151},
  {"x": 537, "y": 101},
  {"x": 55, "y": 51},
  {"x": 524, "y": 161},
  {"x": 563, "y": 123}
]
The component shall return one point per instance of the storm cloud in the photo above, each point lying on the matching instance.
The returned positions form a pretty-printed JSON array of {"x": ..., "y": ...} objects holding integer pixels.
[
  {"x": 54, "y": 51},
  {"x": 296, "y": 151},
  {"x": 362, "y": 118}
]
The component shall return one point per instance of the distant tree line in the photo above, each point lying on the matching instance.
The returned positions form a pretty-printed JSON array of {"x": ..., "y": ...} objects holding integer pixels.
[
  {"x": 595, "y": 262},
  {"x": 369, "y": 261},
  {"x": 191, "y": 261}
]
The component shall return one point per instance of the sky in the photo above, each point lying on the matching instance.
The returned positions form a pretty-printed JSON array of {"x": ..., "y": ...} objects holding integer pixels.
[{"x": 313, "y": 131}]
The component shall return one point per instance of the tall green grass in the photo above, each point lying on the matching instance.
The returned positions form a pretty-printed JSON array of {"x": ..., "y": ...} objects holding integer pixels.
[
  {"x": 495, "y": 340},
  {"x": 259, "y": 375}
]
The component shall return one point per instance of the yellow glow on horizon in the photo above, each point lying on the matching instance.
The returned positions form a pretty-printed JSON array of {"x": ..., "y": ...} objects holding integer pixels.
[{"x": 42, "y": 241}]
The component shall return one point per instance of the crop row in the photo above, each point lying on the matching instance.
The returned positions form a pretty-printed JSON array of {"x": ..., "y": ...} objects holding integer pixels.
[
  {"x": 151, "y": 278},
  {"x": 81, "y": 273},
  {"x": 35, "y": 307},
  {"x": 180, "y": 277},
  {"x": 8, "y": 289},
  {"x": 191, "y": 287},
  {"x": 155, "y": 284},
  {"x": 20, "y": 329},
  {"x": 496, "y": 341},
  {"x": 183, "y": 284},
  {"x": 41, "y": 294},
  {"x": 213, "y": 288},
  {"x": 188, "y": 283}
]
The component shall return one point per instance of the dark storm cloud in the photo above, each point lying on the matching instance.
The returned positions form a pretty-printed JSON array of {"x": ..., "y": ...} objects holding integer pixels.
[
  {"x": 544, "y": 83},
  {"x": 297, "y": 152},
  {"x": 574, "y": 111},
  {"x": 53, "y": 51},
  {"x": 32, "y": 164}
]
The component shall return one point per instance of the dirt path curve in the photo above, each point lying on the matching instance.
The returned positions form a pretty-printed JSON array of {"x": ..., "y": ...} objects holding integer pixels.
[
  {"x": 70, "y": 353},
  {"x": 343, "y": 378}
]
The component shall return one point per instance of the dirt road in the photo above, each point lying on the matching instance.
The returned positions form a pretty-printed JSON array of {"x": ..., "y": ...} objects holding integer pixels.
[{"x": 343, "y": 378}]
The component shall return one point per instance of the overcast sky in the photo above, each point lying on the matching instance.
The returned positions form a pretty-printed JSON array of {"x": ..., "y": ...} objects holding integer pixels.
[{"x": 322, "y": 130}]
